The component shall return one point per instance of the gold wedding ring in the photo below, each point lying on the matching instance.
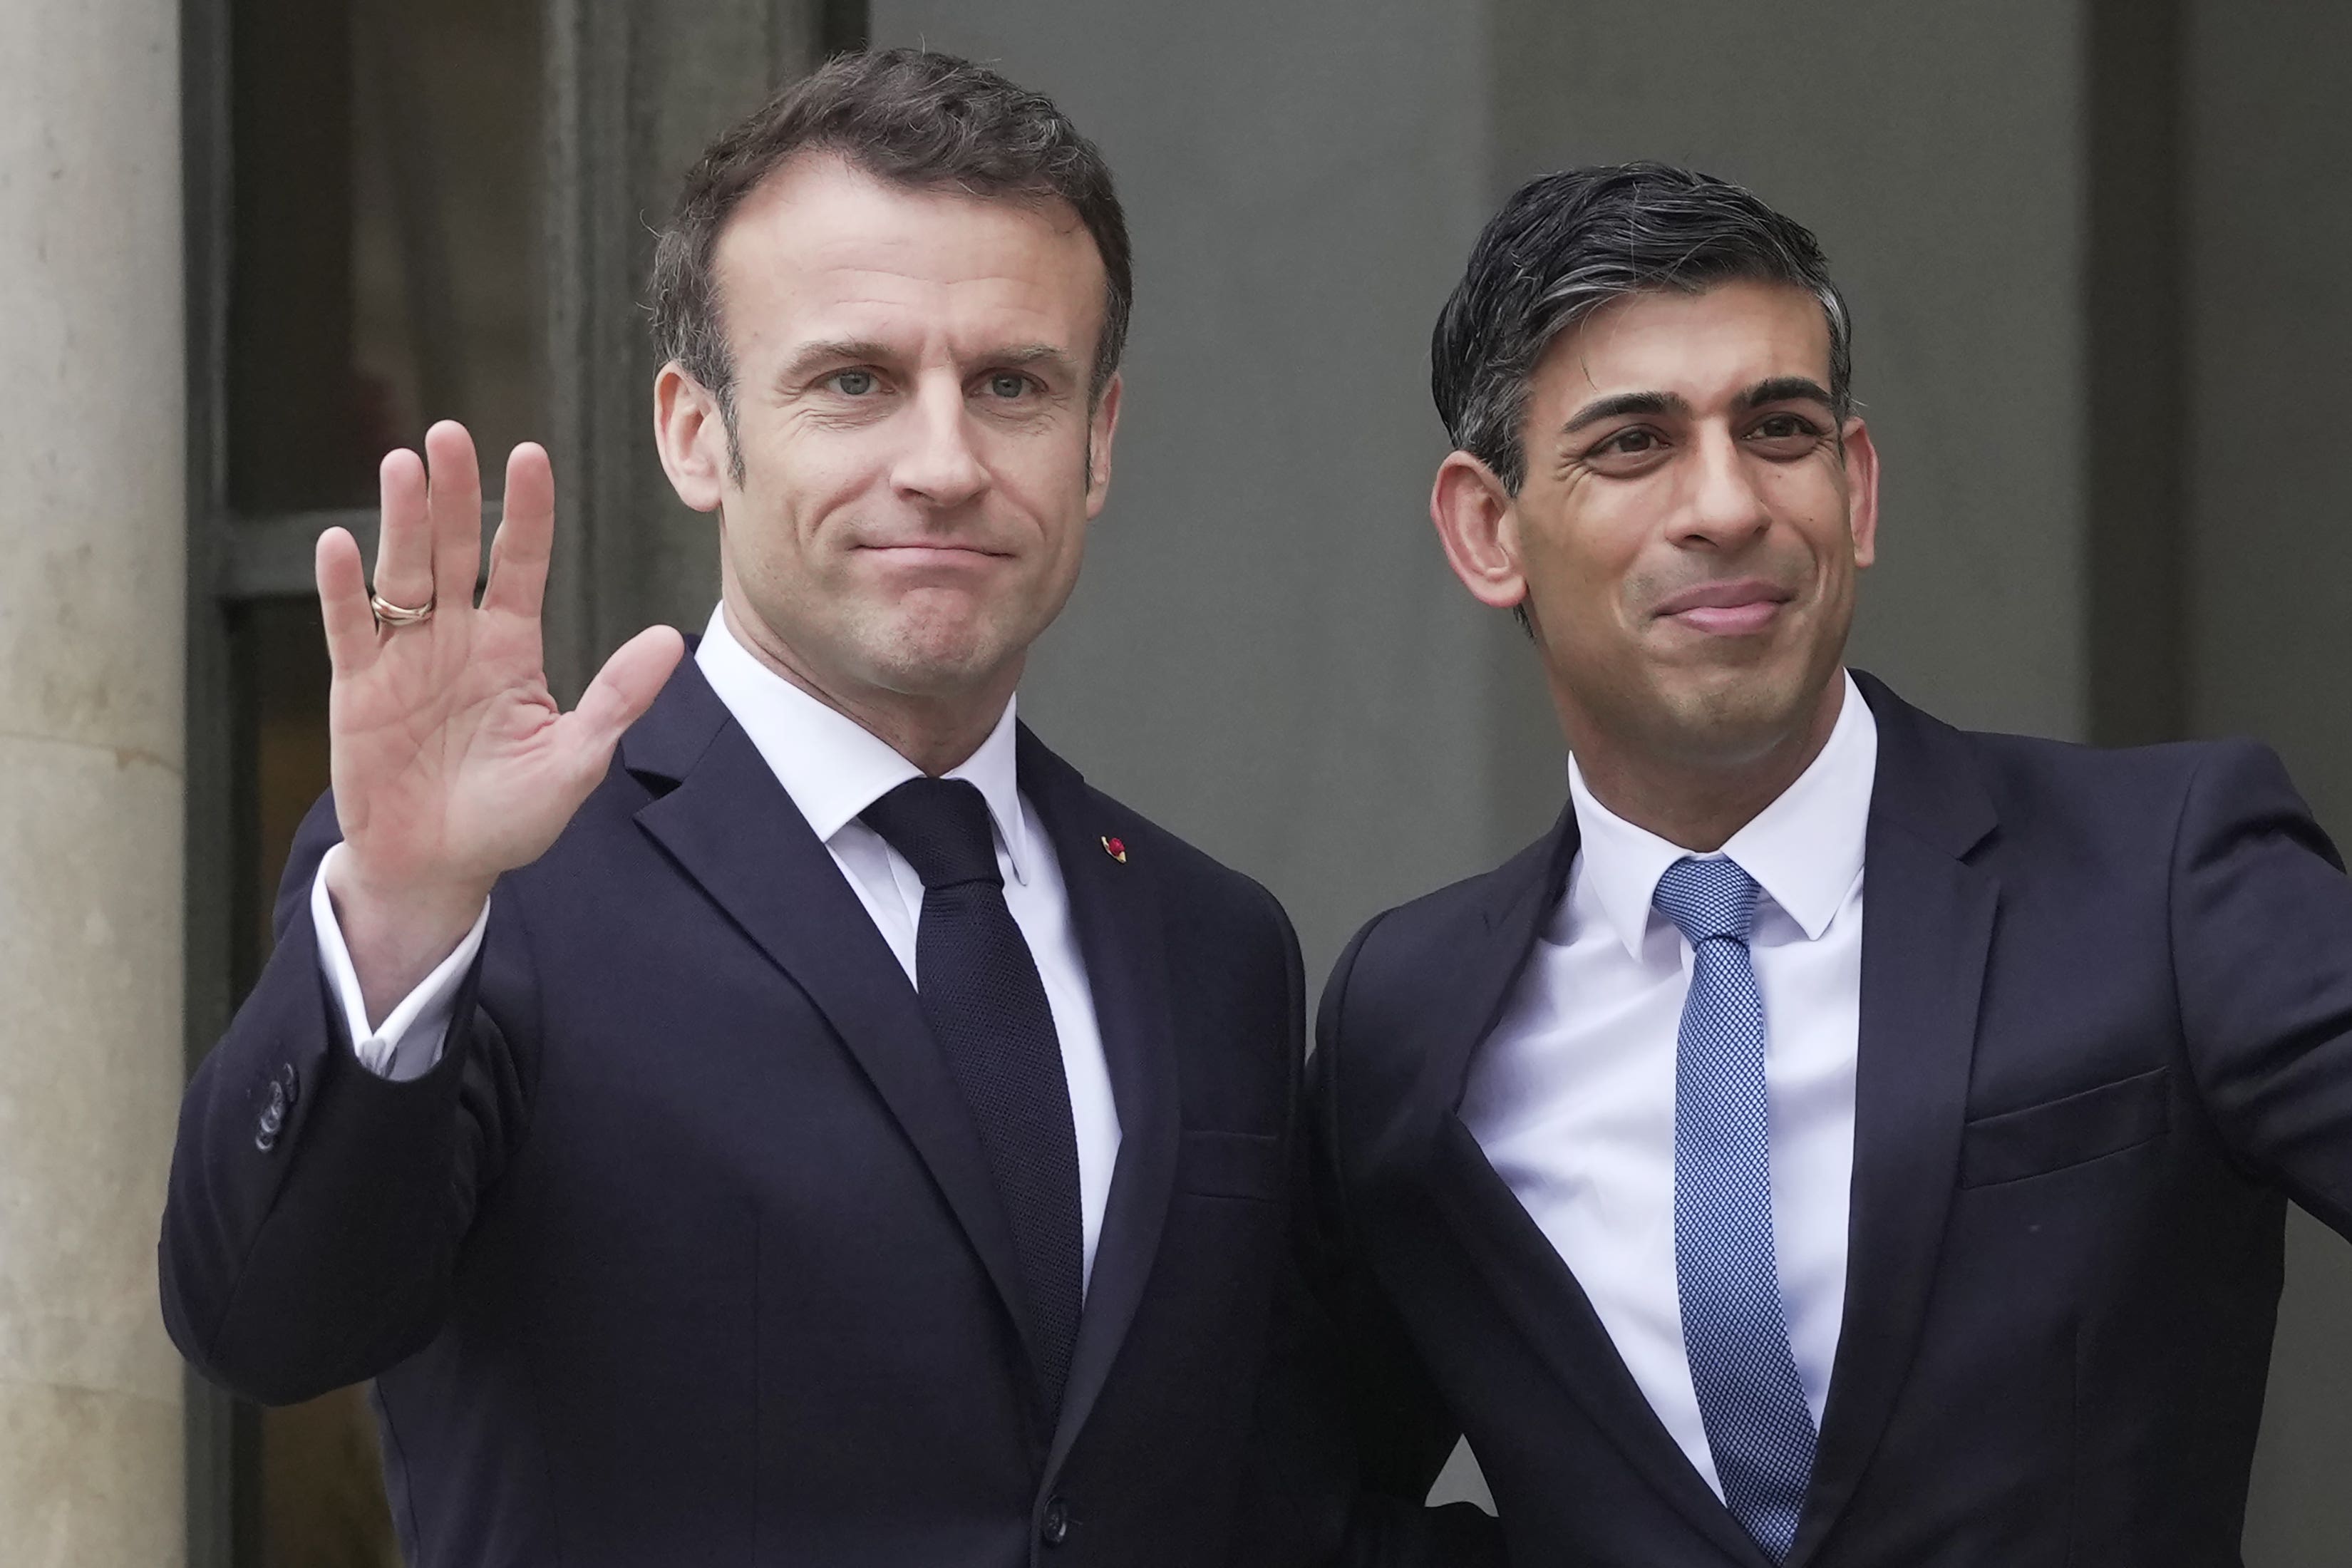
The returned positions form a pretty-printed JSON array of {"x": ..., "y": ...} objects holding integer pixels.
[{"x": 391, "y": 614}]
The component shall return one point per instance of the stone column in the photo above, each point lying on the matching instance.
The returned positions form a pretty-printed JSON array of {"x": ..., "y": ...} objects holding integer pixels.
[{"x": 92, "y": 589}]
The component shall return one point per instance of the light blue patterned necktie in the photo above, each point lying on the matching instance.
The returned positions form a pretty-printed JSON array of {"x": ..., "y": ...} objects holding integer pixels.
[{"x": 1758, "y": 1426}]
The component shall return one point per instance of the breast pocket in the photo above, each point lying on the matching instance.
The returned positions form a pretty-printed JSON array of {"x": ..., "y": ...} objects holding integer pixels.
[
  {"x": 2060, "y": 1133},
  {"x": 1230, "y": 1165}
]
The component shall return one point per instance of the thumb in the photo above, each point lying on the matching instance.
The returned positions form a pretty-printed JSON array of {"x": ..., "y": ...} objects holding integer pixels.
[{"x": 625, "y": 688}]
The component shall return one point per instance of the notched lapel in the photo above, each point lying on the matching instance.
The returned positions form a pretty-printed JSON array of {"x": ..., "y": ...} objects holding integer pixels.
[
  {"x": 1928, "y": 924},
  {"x": 731, "y": 826},
  {"x": 1115, "y": 913},
  {"x": 1543, "y": 1298},
  {"x": 1522, "y": 1269},
  {"x": 1517, "y": 897}
]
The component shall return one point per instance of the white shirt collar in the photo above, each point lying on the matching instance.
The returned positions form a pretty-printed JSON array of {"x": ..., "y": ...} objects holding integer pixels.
[
  {"x": 1804, "y": 850},
  {"x": 831, "y": 766}
]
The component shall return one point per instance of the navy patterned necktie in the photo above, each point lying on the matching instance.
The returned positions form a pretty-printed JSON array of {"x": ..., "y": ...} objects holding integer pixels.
[
  {"x": 987, "y": 1008},
  {"x": 1758, "y": 1426}
]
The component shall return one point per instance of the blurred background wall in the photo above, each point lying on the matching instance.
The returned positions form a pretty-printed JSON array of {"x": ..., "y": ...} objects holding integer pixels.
[
  {"x": 2094, "y": 249},
  {"x": 2266, "y": 184}
]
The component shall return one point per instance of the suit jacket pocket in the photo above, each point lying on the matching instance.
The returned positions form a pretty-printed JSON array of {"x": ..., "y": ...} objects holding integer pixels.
[
  {"x": 1230, "y": 1165},
  {"x": 2074, "y": 1130}
]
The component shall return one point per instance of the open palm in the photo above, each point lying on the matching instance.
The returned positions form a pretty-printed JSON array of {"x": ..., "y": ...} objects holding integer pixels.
[{"x": 451, "y": 762}]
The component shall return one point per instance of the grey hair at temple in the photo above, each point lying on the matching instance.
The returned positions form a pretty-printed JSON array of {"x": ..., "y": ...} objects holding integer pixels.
[{"x": 1564, "y": 245}]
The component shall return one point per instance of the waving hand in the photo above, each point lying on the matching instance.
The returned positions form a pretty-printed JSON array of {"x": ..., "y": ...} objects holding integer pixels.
[{"x": 451, "y": 762}]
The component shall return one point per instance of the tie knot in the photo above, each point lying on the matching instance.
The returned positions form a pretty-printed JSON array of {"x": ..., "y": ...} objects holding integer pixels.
[
  {"x": 940, "y": 826},
  {"x": 1707, "y": 898}
]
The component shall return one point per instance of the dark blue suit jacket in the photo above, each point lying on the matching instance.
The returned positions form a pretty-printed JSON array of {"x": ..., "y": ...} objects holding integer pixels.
[
  {"x": 688, "y": 1251},
  {"x": 2107, "y": 1032}
]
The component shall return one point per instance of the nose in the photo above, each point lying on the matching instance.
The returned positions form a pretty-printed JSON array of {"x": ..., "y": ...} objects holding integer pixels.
[
  {"x": 937, "y": 466},
  {"x": 1724, "y": 509}
]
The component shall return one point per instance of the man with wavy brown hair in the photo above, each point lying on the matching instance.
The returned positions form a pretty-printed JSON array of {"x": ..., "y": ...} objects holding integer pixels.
[{"x": 777, "y": 1112}]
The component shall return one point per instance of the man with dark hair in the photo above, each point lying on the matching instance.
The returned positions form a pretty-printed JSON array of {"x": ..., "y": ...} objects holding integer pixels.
[
  {"x": 778, "y": 1112},
  {"x": 1842, "y": 1140}
]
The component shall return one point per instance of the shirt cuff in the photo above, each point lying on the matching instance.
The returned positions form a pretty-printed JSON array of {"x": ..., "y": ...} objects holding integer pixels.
[{"x": 409, "y": 1042}]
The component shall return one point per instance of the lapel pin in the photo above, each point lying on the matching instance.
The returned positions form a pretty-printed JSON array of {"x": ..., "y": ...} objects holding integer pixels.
[{"x": 1116, "y": 850}]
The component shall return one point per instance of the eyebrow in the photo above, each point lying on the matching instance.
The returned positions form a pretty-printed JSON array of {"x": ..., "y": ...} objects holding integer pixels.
[
  {"x": 840, "y": 352},
  {"x": 1786, "y": 389},
  {"x": 1623, "y": 404},
  {"x": 1029, "y": 353}
]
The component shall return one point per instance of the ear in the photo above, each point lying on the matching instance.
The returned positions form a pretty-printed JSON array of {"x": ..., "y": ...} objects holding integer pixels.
[
  {"x": 1478, "y": 524},
  {"x": 1102, "y": 424},
  {"x": 691, "y": 435},
  {"x": 1862, "y": 491}
]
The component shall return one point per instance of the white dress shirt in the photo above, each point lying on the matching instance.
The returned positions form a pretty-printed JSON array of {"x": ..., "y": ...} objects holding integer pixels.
[
  {"x": 833, "y": 768},
  {"x": 1572, "y": 1096}
]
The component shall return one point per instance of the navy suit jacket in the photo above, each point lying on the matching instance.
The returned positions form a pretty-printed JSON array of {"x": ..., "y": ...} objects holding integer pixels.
[
  {"x": 688, "y": 1250},
  {"x": 2106, "y": 1034}
]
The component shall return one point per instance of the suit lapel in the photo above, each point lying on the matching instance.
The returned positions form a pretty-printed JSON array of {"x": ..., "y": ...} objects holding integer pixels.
[
  {"x": 1114, "y": 912},
  {"x": 1521, "y": 1268},
  {"x": 1927, "y": 926},
  {"x": 1519, "y": 896},
  {"x": 731, "y": 826},
  {"x": 1552, "y": 1313}
]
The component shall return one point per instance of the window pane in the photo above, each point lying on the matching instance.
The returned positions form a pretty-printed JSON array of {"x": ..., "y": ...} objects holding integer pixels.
[
  {"x": 386, "y": 264},
  {"x": 385, "y": 272}
]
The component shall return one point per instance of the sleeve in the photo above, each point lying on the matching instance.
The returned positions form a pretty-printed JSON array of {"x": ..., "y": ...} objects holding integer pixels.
[
  {"x": 2262, "y": 931},
  {"x": 316, "y": 1210},
  {"x": 409, "y": 1041},
  {"x": 1351, "y": 1432}
]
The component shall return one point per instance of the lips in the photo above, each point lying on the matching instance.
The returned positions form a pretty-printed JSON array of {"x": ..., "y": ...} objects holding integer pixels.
[
  {"x": 1740, "y": 608},
  {"x": 928, "y": 552}
]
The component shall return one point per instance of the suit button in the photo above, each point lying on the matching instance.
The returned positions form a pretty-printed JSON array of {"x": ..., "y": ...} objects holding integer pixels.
[
  {"x": 273, "y": 1118},
  {"x": 1055, "y": 1527},
  {"x": 292, "y": 1083}
]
